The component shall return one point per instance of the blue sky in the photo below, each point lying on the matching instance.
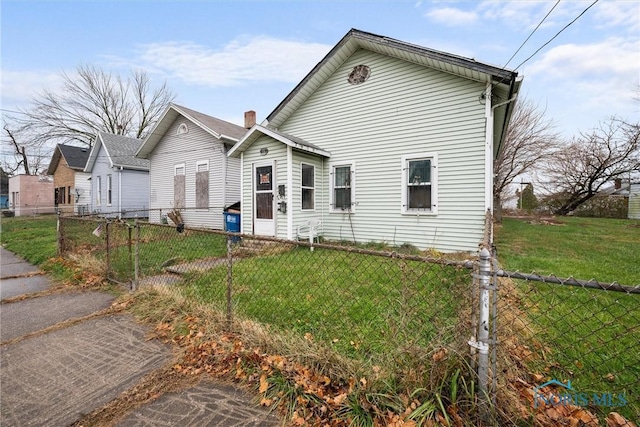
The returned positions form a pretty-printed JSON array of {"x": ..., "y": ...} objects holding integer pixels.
[{"x": 225, "y": 57}]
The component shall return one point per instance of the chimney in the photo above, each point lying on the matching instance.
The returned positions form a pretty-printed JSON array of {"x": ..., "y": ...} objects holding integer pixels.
[
  {"x": 617, "y": 182},
  {"x": 249, "y": 119}
]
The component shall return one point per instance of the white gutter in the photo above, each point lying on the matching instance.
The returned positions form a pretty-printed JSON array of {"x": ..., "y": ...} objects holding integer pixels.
[
  {"x": 120, "y": 193},
  {"x": 488, "y": 150},
  {"x": 242, "y": 204},
  {"x": 289, "y": 192}
]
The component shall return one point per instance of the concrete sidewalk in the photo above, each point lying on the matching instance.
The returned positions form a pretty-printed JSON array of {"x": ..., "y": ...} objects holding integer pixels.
[{"x": 52, "y": 371}]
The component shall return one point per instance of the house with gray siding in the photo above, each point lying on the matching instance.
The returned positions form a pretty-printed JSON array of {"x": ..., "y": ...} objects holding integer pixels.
[
  {"x": 188, "y": 166},
  {"x": 119, "y": 180},
  {"x": 382, "y": 141}
]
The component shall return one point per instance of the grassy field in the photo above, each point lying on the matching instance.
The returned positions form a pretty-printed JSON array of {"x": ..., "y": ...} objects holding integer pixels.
[
  {"x": 591, "y": 337},
  {"x": 607, "y": 250}
]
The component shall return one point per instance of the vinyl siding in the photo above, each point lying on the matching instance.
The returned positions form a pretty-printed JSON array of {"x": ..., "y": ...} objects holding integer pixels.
[
  {"x": 402, "y": 109},
  {"x": 135, "y": 189},
  {"x": 634, "y": 201},
  {"x": 83, "y": 186},
  {"x": 189, "y": 148},
  {"x": 277, "y": 153}
]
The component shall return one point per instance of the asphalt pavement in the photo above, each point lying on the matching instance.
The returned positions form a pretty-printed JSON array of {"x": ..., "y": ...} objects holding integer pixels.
[{"x": 63, "y": 356}]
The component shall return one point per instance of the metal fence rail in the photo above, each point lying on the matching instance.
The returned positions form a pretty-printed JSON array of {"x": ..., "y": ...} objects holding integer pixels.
[{"x": 398, "y": 312}]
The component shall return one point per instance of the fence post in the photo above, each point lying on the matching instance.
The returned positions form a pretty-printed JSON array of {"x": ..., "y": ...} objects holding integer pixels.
[
  {"x": 60, "y": 235},
  {"x": 136, "y": 261},
  {"x": 229, "y": 282},
  {"x": 481, "y": 343},
  {"x": 108, "y": 255}
]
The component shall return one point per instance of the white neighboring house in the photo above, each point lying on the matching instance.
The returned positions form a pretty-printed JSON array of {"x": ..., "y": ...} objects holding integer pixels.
[
  {"x": 188, "y": 166},
  {"x": 119, "y": 180},
  {"x": 382, "y": 141},
  {"x": 634, "y": 201}
]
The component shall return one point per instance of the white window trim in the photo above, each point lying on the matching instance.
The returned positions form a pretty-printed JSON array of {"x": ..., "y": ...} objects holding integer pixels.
[
  {"x": 302, "y": 164},
  {"x": 182, "y": 129},
  {"x": 109, "y": 190},
  {"x": 434, "y": 184},
  {"x": 179, "y": 166},
  {"x": 200, "y": 163},
  {"x": 332, "y": 168},
  {"x": 98, "y": 190}
]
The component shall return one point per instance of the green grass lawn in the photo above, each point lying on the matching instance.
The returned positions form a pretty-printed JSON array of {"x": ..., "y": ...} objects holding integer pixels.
[
  {"x": 607, "y": 250},
  {"x": 32, "y": 237},
  {"x": 361, "y": 305},
  {"x": 591, "y": 337}
]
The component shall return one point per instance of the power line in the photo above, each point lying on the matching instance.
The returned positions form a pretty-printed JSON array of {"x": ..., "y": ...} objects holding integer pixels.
[
  {"x": 532, "y": 33},
  {"x": 557, "y": 34}
]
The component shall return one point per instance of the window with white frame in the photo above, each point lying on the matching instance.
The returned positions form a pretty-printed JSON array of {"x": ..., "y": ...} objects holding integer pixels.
[
  {"x": 419, "y": 184},
  {"x": 202, "y": 184},
  {"x": 308, "y": 186},
  {"x": 98, "y": 190},
  {"x": 343, "y": 187},
  {"x": 179, "y": 186},
  {"x": 108, "y": 190}
]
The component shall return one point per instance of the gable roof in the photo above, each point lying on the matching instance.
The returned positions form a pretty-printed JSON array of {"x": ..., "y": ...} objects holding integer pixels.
[
  {"x": 219, "y": 129},
  {"x": 120, "y": 151},
  {"x": 506, "y": 82},
  {"x": 76, "y": 157},
  {"x": 290, "y": 140}
]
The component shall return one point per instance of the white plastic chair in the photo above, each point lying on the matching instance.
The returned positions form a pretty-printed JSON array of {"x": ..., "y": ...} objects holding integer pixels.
[{"x": 310, "y": 229}]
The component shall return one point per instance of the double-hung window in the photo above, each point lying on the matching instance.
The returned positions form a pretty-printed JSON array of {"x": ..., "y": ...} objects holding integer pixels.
[
  {"x": 98, "y": 190},
  {"x": 343, "y": 187},
  {"x": 109, "y": 182},
  {"x": 308, "y": 187},
  {"x": 419, "y": 184}
]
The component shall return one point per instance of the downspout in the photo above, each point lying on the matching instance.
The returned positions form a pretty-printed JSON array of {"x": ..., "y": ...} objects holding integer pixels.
[
  {"x": 120, "y": 193},
  {"x": 489, "y": 112},
  {"x": 488, "y": 149},
  {"x": 242, "y": 192},
  {"x": 289, "y": 192}
]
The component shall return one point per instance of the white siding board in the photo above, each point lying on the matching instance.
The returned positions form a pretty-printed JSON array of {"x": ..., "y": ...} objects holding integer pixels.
[
  {"x": 402, "y": 109},
  {"x": 189, "y": 148}
]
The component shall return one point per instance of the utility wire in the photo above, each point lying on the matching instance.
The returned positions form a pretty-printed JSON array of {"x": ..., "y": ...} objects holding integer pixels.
[
  {"x": 532, "y": 33},
  {"x": 557, "y": 34}
]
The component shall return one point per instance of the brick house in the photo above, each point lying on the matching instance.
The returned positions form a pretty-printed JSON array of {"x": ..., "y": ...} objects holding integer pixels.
[{"x": 72, "y": 194}]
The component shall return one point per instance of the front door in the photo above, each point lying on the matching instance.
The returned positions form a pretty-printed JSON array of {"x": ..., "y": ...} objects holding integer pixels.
[{"x": 263, "y": 223}]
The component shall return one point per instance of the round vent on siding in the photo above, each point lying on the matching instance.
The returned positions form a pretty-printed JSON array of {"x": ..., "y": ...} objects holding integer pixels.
[{"x": 359, "y": 74}]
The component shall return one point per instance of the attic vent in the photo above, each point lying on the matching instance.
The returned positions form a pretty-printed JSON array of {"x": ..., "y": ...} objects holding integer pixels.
[
  {"x": 182, "y": 129},
  {"x": 359, "y": 74}
]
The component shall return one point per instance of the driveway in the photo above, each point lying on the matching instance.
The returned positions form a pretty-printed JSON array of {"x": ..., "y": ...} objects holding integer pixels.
[{"x": 65, "y": 354}]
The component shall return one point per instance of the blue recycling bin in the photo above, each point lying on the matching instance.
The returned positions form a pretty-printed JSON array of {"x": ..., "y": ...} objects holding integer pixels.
[{"x": 232, "y": 224}]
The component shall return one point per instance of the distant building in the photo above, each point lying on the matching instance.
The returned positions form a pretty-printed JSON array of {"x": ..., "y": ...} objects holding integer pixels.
[{"x": 31, "y": 194}]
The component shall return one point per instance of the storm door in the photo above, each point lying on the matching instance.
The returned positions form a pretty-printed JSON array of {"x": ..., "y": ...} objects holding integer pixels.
[{"x": 264, "y": 223}]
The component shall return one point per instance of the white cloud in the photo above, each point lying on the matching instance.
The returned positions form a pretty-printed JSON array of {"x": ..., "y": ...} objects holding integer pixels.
[
  {"x": 613, "y": 56},
  {"x": 256, "y": 60},
  {"x": 599, "y": 77},
  {"x": 18, "y": 87},
  {"x": 619, "y": 15},
  {"x": 451, "y": 16}
]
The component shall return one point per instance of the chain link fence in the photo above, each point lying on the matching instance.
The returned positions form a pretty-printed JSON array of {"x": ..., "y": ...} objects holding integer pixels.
[{"x": 542, "y": 348}]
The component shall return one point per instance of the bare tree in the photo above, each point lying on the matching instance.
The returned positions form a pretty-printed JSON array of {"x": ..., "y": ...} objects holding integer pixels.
[
  {"x": 29, "y": 153},
  {"x": 94, "y": 100},
  {"x": 530, "y": 139},
  {"x": 580, "y": 169}
]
